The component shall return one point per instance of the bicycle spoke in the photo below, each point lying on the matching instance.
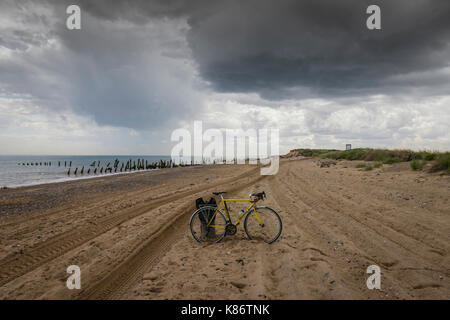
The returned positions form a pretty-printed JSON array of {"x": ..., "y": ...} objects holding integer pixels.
[
  {"x": 203, "y": 232},
  {"x": 263, "y": 225}
]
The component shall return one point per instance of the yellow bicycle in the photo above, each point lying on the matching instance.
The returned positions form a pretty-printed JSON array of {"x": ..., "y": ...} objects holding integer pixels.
[{"x": 210, "y": 224}]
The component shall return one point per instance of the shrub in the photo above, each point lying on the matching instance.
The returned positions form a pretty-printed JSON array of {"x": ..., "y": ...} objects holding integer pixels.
[
  {"x": 354, "y": 154},
  {"x": 424, "y": 155},
  {"x": 417, "y": 164},
  {"x": 442, "y": 163},
  {"x": 368, "y": 168},
  {"x": 306, "y": 153},
  {"x": 430, "y": 156},
  {"x": 393, "y": 160},
  {"x": 389, "y": 156},
  {"x": 361, "y": 165},
  {"x": 312, "y": 152},
  {"x": 383, "y": 156}
]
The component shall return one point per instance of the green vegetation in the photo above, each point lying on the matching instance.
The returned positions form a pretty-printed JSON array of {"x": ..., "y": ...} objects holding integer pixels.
[
  {"x": 417, "y": 164},
  {"x": 378, "y": 165},
  {"x": 442, "y": 163},
  {"x": 366, "y": 154},
  {"x": 312, "y": 152},
  {"x": 418, "y": 159},
  {"x": 366, "y": 167},
  {"x": 427, "y": 156}
]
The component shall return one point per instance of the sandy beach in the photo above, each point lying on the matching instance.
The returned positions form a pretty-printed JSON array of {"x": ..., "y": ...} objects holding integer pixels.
[{"x": 129, "y": 234}]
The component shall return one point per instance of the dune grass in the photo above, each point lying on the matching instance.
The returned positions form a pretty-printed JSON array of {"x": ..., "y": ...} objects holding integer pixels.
[
  {"x": 418, "y": 159},
  {"x": 442, "y": 163},
  {"x": 417, "y": 164},
  {"x": 379, "y": 155},
  {"x": 312, "y": 152}
]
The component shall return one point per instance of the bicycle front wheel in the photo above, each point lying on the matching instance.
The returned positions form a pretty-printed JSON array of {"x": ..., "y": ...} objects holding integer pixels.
[
  {"x": 199, "y": 225},
  {"x": 263, "y": 223}
]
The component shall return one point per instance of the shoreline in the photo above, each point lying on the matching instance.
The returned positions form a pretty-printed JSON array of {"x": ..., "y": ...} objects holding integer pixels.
[
  {"x": 19, "y": 171},
  {"x": 61, "y": 180}
]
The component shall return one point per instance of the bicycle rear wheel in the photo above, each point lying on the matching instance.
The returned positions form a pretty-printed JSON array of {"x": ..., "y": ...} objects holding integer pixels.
[
  {"x": 199, "y": 225},
  {"x": 264, "y": 224}
]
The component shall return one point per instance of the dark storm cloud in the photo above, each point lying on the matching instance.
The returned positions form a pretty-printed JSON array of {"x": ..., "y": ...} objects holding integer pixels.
[
  {"x": 125, "y": 77},
  {"x": 117, "y": 72},
  {"x": 325, "y": 45},
  {"x": 130, "y": 65},
  {"x": 270, "y": 46}
]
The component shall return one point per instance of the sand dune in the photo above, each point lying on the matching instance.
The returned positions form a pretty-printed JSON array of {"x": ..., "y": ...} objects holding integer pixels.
[{"x": 130, "y": 236}]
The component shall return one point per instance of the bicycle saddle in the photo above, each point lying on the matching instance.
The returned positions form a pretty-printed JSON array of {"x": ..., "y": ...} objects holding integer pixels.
[{"x": 219, "y": 193}]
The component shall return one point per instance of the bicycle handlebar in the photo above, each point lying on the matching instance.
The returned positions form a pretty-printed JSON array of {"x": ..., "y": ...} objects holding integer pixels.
[{"x": 259, "y": 196}]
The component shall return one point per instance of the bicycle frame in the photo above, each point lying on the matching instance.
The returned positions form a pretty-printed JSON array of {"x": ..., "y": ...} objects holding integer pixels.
[{"x": 223, "y": 203}]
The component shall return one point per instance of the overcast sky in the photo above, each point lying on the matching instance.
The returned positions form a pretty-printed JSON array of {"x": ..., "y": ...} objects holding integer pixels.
[{"x": 137, "y": 70}]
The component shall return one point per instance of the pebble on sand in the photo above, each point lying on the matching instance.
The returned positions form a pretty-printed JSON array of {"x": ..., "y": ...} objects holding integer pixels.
[
  {"x": 150, "y": 276},
  {"x": 238, "y": 285}
]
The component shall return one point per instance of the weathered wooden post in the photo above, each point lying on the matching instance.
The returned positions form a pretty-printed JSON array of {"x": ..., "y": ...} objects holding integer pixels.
[{"x": 76, "y": 170}]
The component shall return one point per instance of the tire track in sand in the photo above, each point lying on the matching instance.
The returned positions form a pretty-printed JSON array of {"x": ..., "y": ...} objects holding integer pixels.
[
  {"x": 14, "y": 266},
  {"x": 119, "y": 280}
]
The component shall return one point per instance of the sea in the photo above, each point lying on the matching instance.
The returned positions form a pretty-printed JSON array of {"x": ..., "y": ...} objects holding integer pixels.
[{"x": 17, "y": 171}]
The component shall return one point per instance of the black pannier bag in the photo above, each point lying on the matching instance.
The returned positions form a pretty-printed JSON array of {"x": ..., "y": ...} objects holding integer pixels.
[
  {"x": 201, "y": 203},
  {"x": 206, "y": 215}
]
